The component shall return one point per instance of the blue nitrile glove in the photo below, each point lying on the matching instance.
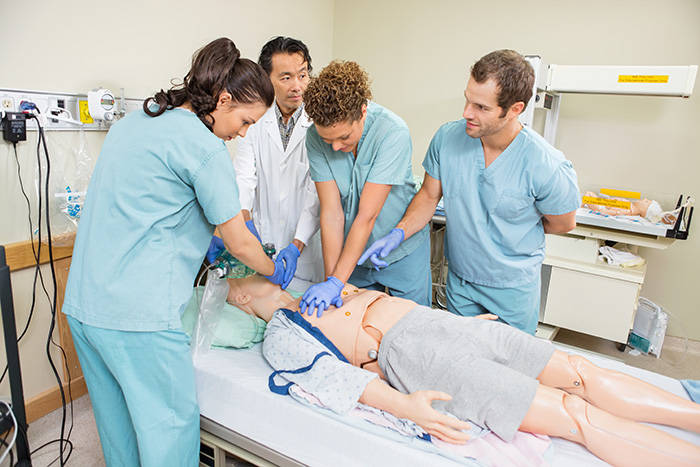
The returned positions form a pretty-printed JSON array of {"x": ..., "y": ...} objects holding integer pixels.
[
  {"x": 216, "y": 246},
  {"x": 322, "y": 295},
  {"x": 382, "y": 247},
  {"x": 251, "y": 226},
  {"x": 277, "y": 277},
  {"x": 290, "y": 255}
]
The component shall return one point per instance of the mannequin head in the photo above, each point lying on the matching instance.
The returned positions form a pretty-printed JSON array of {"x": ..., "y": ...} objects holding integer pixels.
[
  {"x": 258, "y": 296},
  {"x": 639, "y": 207}
]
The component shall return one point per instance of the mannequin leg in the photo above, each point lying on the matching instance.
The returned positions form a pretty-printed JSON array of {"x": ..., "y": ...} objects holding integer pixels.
[
  {"x": 616, "y": 440},
  {"x": 618, "y": 393}
]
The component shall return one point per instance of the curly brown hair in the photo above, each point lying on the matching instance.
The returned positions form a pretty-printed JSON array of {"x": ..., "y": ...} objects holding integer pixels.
[{"x": 338, "y": 93}]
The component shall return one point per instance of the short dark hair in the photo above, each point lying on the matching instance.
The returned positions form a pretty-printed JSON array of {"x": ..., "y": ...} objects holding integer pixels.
[
  {"x": 216, "y": 67},
  {"x": 513, "y": 74},
  {"x": 282, "y": 45}
]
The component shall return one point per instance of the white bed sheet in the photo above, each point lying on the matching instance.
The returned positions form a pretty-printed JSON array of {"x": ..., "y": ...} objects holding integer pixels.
[{"x": 232, "y": 391}]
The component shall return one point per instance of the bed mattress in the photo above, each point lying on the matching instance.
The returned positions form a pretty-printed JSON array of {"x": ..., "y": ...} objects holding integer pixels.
[{"x": 232, "y": 389}]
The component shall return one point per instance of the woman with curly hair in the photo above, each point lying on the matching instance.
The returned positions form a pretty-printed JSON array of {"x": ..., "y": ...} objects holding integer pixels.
[
  {"x": 163, "y": 181},
  {"x": 360, "y": 159}
]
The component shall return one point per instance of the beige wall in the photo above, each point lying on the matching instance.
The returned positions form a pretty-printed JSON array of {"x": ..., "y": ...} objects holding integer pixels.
[
  {"x": 77, "y": 45},
  {"x": 419, "y": 54}
]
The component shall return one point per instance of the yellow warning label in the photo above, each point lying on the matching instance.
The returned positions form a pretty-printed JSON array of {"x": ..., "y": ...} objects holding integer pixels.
[
  {"x": 621, "y": 193},
  {"x": 85, "y": 116},
  {"x": 642, "y": 79},
  {"x": 609, "y": 202}
]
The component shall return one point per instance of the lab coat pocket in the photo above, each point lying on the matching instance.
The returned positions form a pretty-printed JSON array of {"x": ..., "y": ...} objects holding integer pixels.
[
  {"x": 264, "y": 229},
  {"x": 514, "y": 207},
  {"x": 302, "y": 176}
]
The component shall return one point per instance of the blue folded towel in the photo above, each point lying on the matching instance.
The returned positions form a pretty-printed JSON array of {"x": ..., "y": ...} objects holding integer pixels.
[{"x": 693, "y": 388}]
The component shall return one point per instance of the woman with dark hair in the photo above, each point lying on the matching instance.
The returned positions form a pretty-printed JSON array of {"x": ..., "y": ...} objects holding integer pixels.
[{"x": 164, "y": 180}]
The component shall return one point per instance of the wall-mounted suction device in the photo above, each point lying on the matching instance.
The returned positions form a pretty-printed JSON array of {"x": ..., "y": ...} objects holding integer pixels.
[{"x": 101, "y": 104}]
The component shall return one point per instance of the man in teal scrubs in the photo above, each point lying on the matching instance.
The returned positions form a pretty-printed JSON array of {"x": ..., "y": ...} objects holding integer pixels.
[
  {"x": 504, "y": 187},
  {"x": 360, "y": 159}
]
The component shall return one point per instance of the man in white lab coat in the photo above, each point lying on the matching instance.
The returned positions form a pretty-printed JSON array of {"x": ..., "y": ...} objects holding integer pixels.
[{"x": 278, "y": 198}]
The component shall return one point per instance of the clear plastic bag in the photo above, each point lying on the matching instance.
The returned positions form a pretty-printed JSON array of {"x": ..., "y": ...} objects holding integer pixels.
[
  {"x": 211, "y": 307},
  {"x": 71, "y": 168}
]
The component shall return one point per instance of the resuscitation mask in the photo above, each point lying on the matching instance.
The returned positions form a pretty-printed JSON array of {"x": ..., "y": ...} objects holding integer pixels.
[
  {"x": 226, "y": 266},
  {"x": 215, "y": 293}
]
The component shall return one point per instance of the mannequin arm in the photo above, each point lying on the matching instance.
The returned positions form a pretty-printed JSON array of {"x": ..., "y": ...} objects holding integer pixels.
[{"x": 417, "y": 407}]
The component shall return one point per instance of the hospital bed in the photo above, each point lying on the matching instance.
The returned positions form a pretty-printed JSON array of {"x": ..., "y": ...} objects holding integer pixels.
[{"x": 241, "y": 417}]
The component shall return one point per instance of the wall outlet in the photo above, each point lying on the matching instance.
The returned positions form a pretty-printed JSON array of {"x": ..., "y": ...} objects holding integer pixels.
[{"x": 7, "y": 104}]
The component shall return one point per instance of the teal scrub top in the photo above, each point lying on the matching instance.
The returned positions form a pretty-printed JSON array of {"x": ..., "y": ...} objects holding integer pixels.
[
  {"x": 383, "y": 157},
  {"x": 158, "y": 189},
  {"x": 494, "y": 215}
]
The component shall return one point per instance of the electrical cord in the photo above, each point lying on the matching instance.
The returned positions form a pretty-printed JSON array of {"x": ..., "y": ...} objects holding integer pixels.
[
  {"x": 69, "y": 445},
  {"x": 52, "y": 300},
  {"x": 3, "y": 442},
  {"x": 14, "y": 433},
  {"x": 49, "y": 341},
  {"x": 31, "y": 231}
]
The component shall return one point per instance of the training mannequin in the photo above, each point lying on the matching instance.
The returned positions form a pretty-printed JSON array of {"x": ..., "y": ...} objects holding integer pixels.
[
  {"x": 646, "y": 208},
  {"x": 572, "y": 398}
]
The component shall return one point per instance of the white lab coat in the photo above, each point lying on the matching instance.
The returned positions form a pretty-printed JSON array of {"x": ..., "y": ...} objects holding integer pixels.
[{"x": 276, "y": 187}]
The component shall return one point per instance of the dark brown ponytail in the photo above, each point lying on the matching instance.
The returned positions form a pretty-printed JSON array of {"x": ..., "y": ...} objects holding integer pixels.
[{"x": 216, "y": 68}]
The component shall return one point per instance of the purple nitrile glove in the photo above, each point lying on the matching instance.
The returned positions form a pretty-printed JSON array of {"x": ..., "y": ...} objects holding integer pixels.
[
  {"x": 290, "y": 254},
  {"x": 216, "y": 246},
  {"x": 322, "y": 295},
  {"x": 277, "y": 277},
  {"x": 382, "y": 248},
  {"x": 251, "y": 226}
]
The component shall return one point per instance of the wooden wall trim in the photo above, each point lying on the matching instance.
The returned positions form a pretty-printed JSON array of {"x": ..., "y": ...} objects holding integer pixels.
[
  {"x": 20, "y": 255},
  {"x": 50, "y": 400},
  {"x": 62, "y": 267}
]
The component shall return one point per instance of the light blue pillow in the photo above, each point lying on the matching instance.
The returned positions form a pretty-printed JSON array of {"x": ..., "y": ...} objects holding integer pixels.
[{"x": 236, "y": 328}]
